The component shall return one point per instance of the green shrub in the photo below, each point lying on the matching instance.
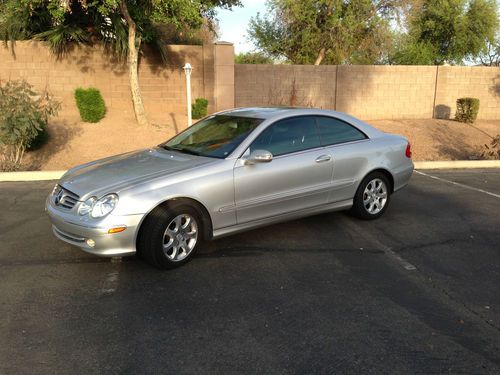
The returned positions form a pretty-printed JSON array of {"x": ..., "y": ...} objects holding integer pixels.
[
  {"x": 23, "y": 115},
  {"x": 467, "y": 110},
  {"x": 41, "y": 138},
  {"x": 252, "y": 58},
  {"x": 200, "y": 108},
  {"x": 90, "y": 104}
]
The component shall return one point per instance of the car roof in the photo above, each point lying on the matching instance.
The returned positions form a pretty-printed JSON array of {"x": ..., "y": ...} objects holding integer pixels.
[
  {"x": 258, "y": 112},
  {"x": 266, "y": 113}
]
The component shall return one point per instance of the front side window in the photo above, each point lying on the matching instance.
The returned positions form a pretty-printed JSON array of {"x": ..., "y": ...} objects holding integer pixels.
[
  {"x": 334, "y": 131},
  {"x": 216, "y": 136},
  {"x": 287, "y": 136}
]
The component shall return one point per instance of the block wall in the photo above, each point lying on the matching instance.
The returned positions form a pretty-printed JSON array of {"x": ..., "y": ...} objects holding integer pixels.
[
  {"x": 295, "y": 85},
  {"x": 386, "y": 92},
  {"x": 370, "y": 92},
  {"x": 163, "y": 86},
  {"x": 478, "y": 82}
]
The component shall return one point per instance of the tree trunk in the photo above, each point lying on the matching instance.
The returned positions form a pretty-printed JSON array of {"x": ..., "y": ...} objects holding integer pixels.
[
  {"x": 321, "y": 56},
  {"x": 134, "y": 44}
]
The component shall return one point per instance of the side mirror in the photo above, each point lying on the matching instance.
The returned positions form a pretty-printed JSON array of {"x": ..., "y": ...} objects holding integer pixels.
[{"x": 259, "y": 156}]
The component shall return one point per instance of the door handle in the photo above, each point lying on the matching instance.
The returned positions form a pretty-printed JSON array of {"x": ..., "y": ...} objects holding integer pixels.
[{"x": 323, "y": 158}]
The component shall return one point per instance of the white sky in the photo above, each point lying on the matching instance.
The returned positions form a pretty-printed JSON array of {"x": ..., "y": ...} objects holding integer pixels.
[{"x": 233, "y": 24}]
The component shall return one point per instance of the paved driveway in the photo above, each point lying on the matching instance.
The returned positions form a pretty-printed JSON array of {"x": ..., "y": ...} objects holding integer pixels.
[{"x": 417, "y": 291}]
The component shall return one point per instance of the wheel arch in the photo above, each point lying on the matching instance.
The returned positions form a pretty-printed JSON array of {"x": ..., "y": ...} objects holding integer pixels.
[
  {"x": 385, "y": 172},
  {"x": 202, "y": 210}
]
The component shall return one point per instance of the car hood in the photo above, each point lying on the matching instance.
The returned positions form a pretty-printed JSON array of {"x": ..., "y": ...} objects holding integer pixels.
[{"x": 112, "y": 174}]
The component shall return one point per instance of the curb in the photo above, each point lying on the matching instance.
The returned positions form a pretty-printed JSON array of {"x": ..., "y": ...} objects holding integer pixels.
[
  {"x": 30, "y": 176},
  {"x": 454, "y": 164},
  {"x": 457, "y": 164}
]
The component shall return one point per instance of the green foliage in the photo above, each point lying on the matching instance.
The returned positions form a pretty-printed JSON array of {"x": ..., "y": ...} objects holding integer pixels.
[
  {"x": 467, "y": 110},
  {"x": 414, "y": 53},
  {"x": 60, "y": 37},
  {"x": 61, "y": 23},
  {"x": 328, "y": 31},
  {"x": 252, "y": 58},
  {"x": 90, "y": 104},
  {"x": 23, "y": 116},
  {"x": 41, "y": 139},
  {"x": 491, "y": 54},
  {"x": 20, "y": 20},
  {"x": 122, "y": 25},
  {"x": 448, "y": 31},
  {"x": 199, "y": 108}
]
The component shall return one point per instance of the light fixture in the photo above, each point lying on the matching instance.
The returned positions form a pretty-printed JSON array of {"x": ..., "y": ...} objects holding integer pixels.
[{"x": 187, "y": 70}]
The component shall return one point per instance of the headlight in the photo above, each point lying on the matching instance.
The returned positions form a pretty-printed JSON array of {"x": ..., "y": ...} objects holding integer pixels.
[
  {"x": 104, "y": 206},
  {"x": 86, "y": 207}
]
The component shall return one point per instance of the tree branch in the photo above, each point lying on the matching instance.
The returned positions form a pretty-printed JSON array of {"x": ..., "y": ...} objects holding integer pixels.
[
  {"x": 126, "y": 14},
  {"x": 321, "y": 56}
]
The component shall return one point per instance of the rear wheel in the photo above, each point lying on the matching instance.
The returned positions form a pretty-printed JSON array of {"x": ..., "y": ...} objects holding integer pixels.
[
  {"x": 372, "y": 197},
  {"x": 170, "y": 236}
]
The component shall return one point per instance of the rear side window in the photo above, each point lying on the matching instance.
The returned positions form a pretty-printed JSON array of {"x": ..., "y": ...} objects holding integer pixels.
[
  {"x": 334, "y": 131},
  {"x": 287, "y": 136}
]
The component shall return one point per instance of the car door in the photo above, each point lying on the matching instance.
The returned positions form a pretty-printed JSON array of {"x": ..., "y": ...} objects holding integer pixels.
[
  {"x": 349, "y": 148},
  {"x": 298, "y": 177}
]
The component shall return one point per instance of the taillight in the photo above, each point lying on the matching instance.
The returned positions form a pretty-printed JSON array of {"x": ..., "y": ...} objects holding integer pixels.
[{"x": 408, "y": 150}]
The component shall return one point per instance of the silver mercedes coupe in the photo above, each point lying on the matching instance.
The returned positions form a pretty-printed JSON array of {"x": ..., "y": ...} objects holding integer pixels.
[{"x": 232, "y": 171}]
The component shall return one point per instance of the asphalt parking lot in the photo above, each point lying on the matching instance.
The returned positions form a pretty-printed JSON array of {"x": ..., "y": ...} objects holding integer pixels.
[{"x": 417, "y": 291}]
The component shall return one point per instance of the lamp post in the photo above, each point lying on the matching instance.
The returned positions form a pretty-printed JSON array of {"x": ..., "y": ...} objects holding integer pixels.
[{"x": 188, "y": 69}]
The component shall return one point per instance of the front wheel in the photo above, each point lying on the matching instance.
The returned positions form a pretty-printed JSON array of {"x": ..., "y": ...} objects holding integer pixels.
[
  {"x": 372, "y": 197},
  {"x": 170, "y": 236}
]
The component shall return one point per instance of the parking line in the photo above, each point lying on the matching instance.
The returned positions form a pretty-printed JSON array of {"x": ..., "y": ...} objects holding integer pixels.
[
  {"x": 386, "y": 249},
  {"x": 459, "y": 184}
]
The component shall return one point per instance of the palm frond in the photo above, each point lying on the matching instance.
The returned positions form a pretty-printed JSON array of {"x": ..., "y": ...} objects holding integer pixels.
[
  {"x": 157, "y": 41},
  {"x": 60, "y": 37},
  {"x": 115, "y": 35},
  {"x": 155, "y": 36}
]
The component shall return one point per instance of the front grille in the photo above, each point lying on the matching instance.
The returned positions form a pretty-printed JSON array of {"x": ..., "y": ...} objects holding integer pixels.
[
  {"x": 65, "y": 198},
  {"x": 69, "y": 237}
]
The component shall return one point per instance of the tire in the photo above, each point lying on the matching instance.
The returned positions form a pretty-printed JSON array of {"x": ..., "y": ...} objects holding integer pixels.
[
  {"x": 372, "y": 197},
  {"x": 170, "y": 236}
]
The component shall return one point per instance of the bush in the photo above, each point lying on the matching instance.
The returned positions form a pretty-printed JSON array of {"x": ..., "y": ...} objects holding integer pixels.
[
  {"x": 41, "y": 139},
  {"x": 252, "y": 58},
  {"x": 200, "y": 108},
  {"x": 467, "y": 110},
  {"x": 90, "y": 104},
  {"x": 23, "y": 115},
  {"x": 492, "y": 151}
]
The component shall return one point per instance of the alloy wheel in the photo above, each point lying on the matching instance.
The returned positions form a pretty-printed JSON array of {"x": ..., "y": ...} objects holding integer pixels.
[
  {"x": 180, "y": 237},
  {"x": 375, "y": 196}
]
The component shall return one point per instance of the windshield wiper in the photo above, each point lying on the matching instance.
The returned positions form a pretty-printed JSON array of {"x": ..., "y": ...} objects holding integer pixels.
[{"x": 183, "y": 150}]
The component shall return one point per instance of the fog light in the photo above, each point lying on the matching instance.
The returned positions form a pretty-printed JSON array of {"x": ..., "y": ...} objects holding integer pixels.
[{"x": 91, "y": 242}]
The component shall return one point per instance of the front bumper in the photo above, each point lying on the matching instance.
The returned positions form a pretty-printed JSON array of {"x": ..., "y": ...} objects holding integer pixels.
[{"x": 67, "y": 227}]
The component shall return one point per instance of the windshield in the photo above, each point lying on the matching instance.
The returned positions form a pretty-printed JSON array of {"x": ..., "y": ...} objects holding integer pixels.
[{"x": 216, "y": 136}]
